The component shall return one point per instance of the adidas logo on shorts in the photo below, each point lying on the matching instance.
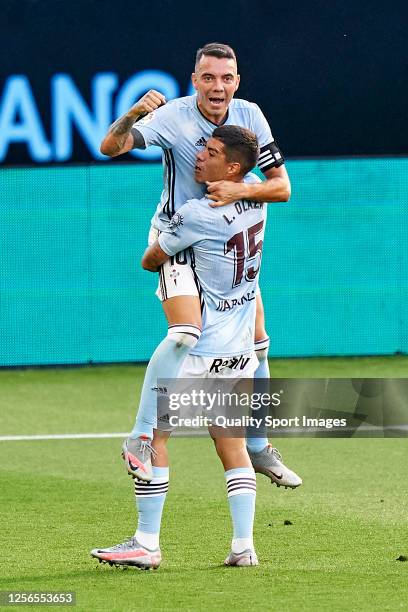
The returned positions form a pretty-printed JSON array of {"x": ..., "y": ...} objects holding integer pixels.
[{"x": 165, "y": 418}]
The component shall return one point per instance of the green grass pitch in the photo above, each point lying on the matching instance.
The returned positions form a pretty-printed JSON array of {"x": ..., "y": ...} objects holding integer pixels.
[{"x": 60, "y": 498}]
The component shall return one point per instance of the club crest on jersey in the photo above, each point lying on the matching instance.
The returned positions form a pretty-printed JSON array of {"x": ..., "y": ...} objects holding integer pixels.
[
  {"x": 201, "y": 142},
  {"x": 175, "y": 221}
]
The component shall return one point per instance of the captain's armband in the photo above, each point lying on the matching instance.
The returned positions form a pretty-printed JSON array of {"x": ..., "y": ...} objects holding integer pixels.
[{"x": 270, "y": 156}]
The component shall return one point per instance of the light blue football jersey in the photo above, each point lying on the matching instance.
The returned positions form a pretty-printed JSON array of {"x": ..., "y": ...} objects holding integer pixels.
[
  {"x": 226, "y": 245},
  {"x": 181, "y": 130}
]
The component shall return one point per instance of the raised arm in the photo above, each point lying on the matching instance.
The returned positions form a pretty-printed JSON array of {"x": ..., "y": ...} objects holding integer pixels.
[{"x": 120, "y": 137}]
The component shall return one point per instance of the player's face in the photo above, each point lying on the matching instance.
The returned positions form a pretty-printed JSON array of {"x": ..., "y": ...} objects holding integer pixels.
[
  {"x": 211, "y": 163},
  {"x": 216, "y": 80}
]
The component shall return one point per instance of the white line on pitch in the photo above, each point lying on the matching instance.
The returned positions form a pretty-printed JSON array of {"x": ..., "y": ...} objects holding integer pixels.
[
  {"x": 90, "y": 436},
  {"x": 78, "y": 436}
]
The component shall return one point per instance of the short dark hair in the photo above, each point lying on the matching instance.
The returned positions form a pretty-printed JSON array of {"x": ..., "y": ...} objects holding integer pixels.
[
  {"x": 215, "y": 50},
  {"x": 241, "y": 145}
]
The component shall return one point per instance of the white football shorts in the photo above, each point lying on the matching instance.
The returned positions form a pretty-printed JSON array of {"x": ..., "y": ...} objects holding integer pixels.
[
  {"x": 238, "y": 366},
  {"x": 176, "y": 276},
  {"x": 230, "y": 369}
]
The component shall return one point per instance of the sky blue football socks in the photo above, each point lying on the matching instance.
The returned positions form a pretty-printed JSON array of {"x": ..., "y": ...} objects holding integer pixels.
[
  {"x": 150, "y": 498},
  {"x": 241, "y": 489}
]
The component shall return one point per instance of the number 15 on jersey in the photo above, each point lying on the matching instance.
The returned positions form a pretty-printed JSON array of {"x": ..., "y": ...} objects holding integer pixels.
[{"x": 247, "y": 253}]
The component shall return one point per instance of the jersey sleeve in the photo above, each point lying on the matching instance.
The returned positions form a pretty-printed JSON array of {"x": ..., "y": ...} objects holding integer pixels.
[
  {"x": 270, "y": 156},
  {"x": 159, "y": 127},
  {"x": 184, "y": 229},
  {"x": 252, "y": 179}
]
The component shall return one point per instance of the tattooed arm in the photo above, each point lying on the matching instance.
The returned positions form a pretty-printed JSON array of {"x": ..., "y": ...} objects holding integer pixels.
[
  {"x": 120, "y": 138},
  {"x": 153, "y": 257}
]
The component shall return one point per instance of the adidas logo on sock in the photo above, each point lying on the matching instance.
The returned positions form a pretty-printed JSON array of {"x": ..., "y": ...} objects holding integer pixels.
[{"x": 201, "y": 142}]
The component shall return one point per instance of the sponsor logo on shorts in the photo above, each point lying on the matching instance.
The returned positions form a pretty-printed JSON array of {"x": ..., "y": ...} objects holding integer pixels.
[{"x": 232, "y": 363}]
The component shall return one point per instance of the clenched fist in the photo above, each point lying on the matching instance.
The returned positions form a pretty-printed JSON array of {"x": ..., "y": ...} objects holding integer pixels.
[{"x": 147, "y": 104}]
